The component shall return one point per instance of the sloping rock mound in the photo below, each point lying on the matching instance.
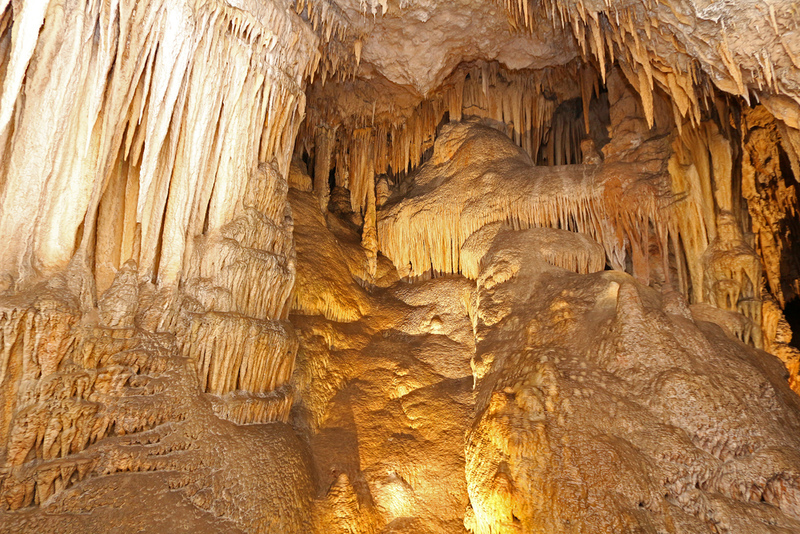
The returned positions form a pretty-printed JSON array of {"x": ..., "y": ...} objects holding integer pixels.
[{"x": 602, "y": 406}]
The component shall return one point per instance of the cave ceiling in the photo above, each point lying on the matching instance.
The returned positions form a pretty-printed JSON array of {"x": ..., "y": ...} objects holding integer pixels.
[{"x": 744, "y": 49}]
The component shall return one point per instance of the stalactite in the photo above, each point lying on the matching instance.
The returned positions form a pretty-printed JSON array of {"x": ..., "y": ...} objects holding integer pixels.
[
  {"x": 515, "y": 99},
  {"x": 242, "y": 276},
  {"x": 160, "y": 136},
  {"x": 576, "y": 198},
  {"x": 322, "y": 165},
  {"x": 672, "y": 60},
  {"x": 638, "y": 222},
  {"x": 152, "y": 118},
  {"x": 75, "y": 386},
  {"x": 772, "y": 202},
  {"x": 237, "y": 353},
  {"x": 149, "y": 266},
  {"x": 244, "y": 408}
]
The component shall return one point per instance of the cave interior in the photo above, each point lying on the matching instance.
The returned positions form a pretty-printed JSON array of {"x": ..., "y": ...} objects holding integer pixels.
[{"x": 400, "y": 266}]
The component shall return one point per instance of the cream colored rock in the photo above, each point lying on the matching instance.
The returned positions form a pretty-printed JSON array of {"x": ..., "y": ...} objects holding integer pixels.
[
  {"x": 605, "y": 386},
  {"x": 110, "y": 427},
  {"x": 339, "y": 266}
]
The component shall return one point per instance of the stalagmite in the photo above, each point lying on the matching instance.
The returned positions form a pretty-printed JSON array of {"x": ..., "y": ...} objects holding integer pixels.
[
  {"x": 369, "y": 237},
  {"x": 568, "y": 250}
]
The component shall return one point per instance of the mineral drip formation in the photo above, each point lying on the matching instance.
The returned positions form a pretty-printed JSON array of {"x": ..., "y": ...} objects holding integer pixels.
[{"x": 392, "y": 266}]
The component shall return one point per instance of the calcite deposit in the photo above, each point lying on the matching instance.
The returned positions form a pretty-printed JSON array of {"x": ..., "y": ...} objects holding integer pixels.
[{"x": 399, "y": 266}]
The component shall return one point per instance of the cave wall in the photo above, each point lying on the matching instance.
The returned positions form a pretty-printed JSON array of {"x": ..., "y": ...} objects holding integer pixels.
[
  {"x": 150, "y": 259},
  {"x": 172, "y": 280},
  {"x": 546, "y": 395}
]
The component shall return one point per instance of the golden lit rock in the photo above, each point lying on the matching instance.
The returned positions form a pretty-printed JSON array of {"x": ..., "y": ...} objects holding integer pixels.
[{"x": 392, "y": 266}]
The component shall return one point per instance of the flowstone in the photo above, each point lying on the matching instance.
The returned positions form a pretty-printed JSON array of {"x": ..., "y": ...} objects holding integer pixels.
[{"x": 603, "y": 406}]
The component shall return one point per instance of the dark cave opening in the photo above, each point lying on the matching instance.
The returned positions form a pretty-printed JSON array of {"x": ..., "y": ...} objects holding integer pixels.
[
  {"x": 792, "y": 314},
  {"x": 332, "y": 178}
]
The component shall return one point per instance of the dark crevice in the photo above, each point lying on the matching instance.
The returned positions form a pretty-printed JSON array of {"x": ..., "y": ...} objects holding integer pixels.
[{"x": 792, "y": 314}]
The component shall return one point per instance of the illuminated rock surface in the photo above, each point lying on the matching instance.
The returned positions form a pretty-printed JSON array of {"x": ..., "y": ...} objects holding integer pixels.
[{"x": 399, "y": 266}]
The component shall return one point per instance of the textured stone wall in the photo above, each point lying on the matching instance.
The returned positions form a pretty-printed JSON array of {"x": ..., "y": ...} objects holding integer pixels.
[{"x": 526, "y": 289}]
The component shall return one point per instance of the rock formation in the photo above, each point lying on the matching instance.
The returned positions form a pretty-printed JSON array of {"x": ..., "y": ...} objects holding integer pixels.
[{"x": 399, "y": 266}]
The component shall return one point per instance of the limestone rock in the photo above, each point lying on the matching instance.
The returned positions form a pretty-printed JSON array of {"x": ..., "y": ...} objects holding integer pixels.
[{"x": 399, "y": 266}]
